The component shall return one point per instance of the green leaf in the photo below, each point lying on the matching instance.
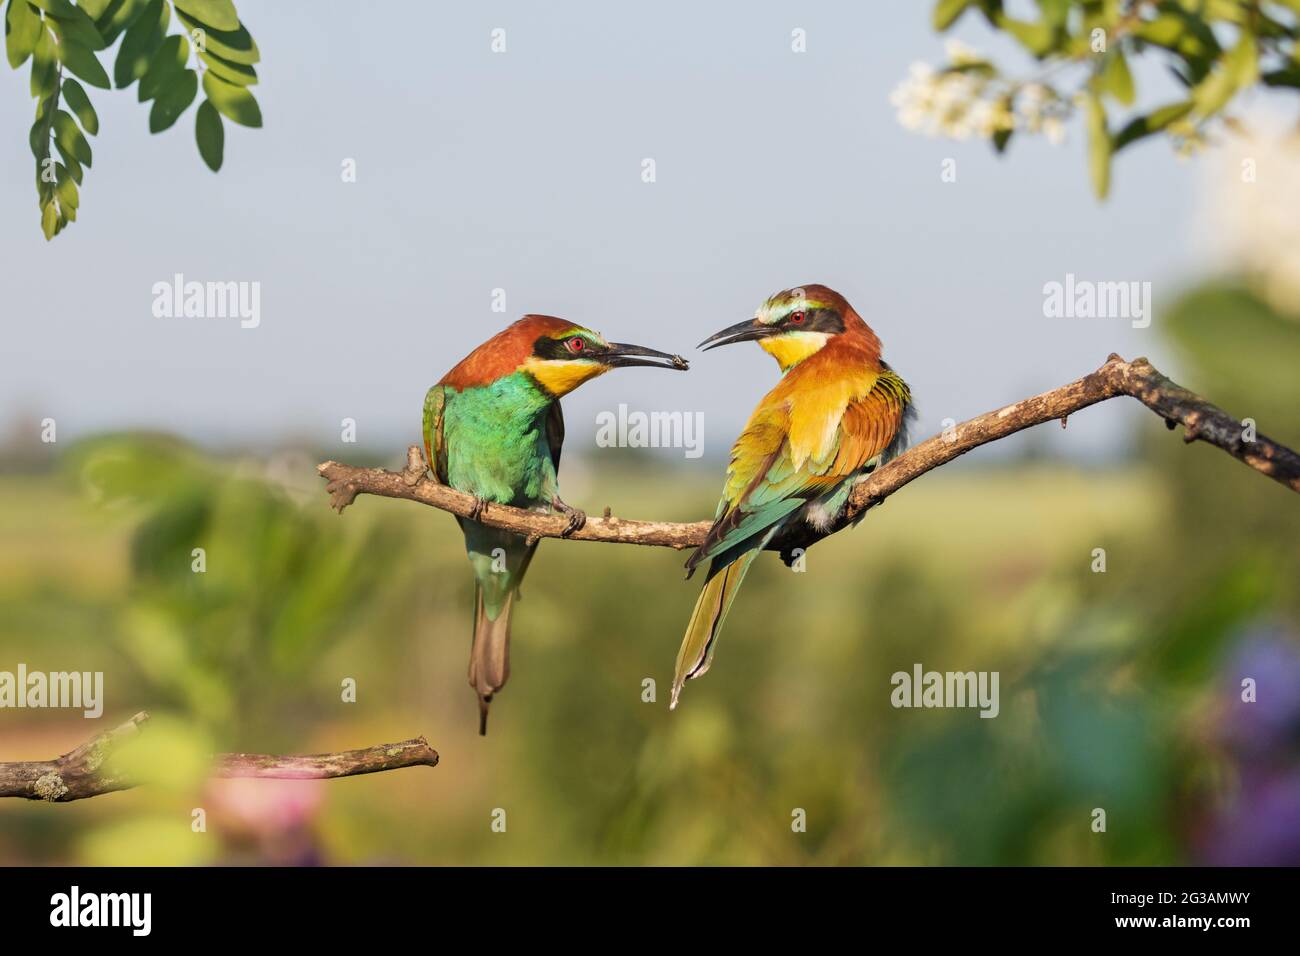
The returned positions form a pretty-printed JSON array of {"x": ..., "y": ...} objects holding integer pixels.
[
  {"x": 77, "y": 26},
  {"x": 1244, "y": 60},
  {"x": 1213, "y": 93},
  {"x": 142, "y": 40},
  {"x": 1116, "y": 79},
  {"x": 1187, "y": 35},
  {"x": 946, "y": 13},
  {"x": 22, "y": 30},
  {"x": 66, "y": 194},
  {"x": 45, "y": 65},
  {"x": 237, "y": 46},
  {"x": 58, "y": 8},
  {"x": 1287, "y": 77},
  {"x": 237, "y": 73},
  {"x": 1037, "y": 38},
  {"x": 219, "y": 14},
  {"x": 167, "y": 63},
  {"x": 1142, "y": 126},
  {"x": 95, "y": 8},
  {"x": 1099, "y": 146},
  {"x": 174, "y": 99},
  {"x": 234, "y": 102},
  {"x": 79, "y": 103},
  {"x": 65, "y": 188},
  {"x": 119, "y": 15},
  {"x": 1055, "y": 12},
  {"x": 1239, "y": 69},
  {"x": 211, "y": 135},
  {"x": 69, "y": 136},
  {"x": 70, "y": 161},
  {"x": 38, "y": 138},
  {"x": 83, "y": 63},
  {"x": 49, "y": 221},
  {"x": 1175, "y": 29}
]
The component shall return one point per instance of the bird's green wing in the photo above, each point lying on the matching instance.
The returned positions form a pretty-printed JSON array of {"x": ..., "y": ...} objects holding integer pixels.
[{"x": 435, "y": 451}]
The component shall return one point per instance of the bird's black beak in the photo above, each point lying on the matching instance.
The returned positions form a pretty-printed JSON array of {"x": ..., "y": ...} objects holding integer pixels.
[
  {"x": 621, "y": 355},
  {"x": 747, "y": 331}
]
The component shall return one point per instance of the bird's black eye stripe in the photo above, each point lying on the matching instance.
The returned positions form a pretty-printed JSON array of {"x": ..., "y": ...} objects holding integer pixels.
[
  {"x": 815, "y": 320},
  {"x": 548, "y": 348}
]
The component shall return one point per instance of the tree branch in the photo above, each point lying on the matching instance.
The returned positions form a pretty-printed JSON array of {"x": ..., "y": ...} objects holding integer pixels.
[
  {"x": 345, "y": 482},
  {"x": 82, "y": 773},
  {"x": 1138, "y": 379}
]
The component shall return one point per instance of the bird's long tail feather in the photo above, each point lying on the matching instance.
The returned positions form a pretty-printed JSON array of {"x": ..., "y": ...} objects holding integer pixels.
[
  {"x": 696, "y": 652},
  {"x": 489, "y": 658}
]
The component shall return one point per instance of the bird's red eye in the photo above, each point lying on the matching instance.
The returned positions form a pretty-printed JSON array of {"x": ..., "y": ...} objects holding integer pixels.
[
  {"x": 797, "y": 318},
  {"x": 576, "y": 345}
]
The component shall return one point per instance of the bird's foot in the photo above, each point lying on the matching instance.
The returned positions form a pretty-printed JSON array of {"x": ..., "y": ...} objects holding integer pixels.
[
  {"x": 576, "y": 518},
  {"x": 480, "y": 505}
]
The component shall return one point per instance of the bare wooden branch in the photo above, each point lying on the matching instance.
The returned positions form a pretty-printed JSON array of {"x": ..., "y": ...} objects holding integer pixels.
[
  {"x": 1201, "y": 421},
  {"x": 345, "y": 482},
  {"x": 83, "y": 772},
  {"x": 1139, "y": 379}
]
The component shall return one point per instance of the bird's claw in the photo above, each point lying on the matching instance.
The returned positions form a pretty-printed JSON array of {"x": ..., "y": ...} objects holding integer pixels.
[
  {"x": 480, "y": 505},
  {"x": 576, "y": 517},
  {"x": 576, "y": 520}
]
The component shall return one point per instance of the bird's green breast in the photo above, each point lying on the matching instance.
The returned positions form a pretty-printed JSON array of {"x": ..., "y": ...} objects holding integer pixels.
[{"x": 495, "y": 436}]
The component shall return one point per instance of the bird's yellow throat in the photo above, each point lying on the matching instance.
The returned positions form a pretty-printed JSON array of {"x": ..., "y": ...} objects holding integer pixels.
[
  {"x": 560, "y": 377},
  {"x": 793, "y": 347}
]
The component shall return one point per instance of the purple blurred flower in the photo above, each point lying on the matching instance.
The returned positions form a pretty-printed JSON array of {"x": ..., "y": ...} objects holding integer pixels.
[
  {"x": 1261, "y": 827},
  {"x": 1260, "y": 824},
  {"x": 1272, "y": 722}
]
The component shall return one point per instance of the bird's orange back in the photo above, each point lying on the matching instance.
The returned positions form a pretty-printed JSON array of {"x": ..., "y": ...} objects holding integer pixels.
[{"x": 805, "y": 411}]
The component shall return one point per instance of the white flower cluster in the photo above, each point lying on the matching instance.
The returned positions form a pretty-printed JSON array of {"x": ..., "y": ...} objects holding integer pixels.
[{"x": 969, "y": 99}]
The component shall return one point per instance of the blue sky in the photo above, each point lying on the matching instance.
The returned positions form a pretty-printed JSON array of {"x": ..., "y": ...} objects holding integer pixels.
[{"x": 522, "y": 171}]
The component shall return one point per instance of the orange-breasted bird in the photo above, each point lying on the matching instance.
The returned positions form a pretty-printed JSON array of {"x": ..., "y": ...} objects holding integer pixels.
[
  {"x": 493, "y": 428},
  {"x": 836, "y": 414}
]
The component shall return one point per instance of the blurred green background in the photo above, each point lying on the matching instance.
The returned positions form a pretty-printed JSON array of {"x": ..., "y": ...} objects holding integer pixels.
[{"x": 1119, "y": 690}]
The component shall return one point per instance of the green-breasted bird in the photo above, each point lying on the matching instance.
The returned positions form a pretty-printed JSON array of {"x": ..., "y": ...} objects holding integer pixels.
[
  {"x": 837, "y": 412},
  {"x": 493, "y": 428}
]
